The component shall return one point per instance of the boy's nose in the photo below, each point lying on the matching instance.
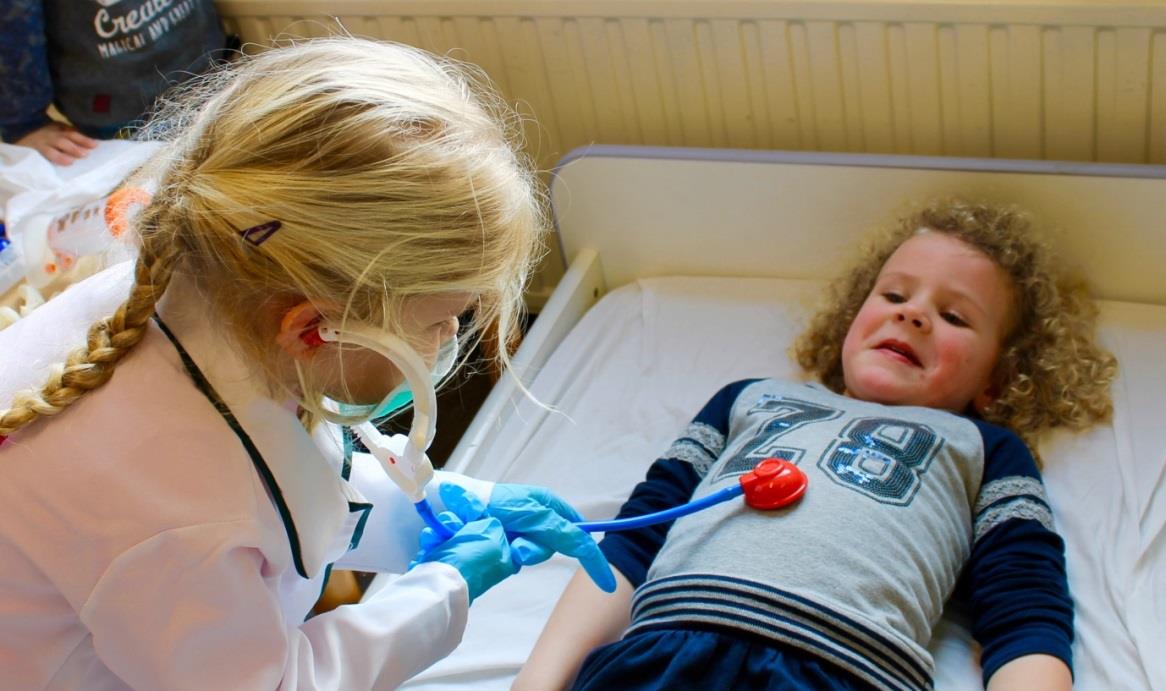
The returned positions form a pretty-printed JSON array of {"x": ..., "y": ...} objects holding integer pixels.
[{"x": 907, "y": 313}]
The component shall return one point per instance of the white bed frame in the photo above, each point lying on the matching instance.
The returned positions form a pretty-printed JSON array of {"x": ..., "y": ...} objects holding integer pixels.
[{"x": 624, "y": 213}]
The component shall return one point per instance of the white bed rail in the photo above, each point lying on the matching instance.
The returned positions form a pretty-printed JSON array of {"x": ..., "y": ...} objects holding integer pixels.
[
  {"x": 580, "y": 287},
  {"x": 657, "y": 211}
]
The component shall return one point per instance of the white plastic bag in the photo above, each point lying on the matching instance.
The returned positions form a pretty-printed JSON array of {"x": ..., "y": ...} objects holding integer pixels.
[{"x": 55, "y": 215}]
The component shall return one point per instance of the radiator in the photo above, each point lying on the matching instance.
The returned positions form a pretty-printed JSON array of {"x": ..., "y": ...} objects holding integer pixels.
[{"x": 1075, "y": 80}]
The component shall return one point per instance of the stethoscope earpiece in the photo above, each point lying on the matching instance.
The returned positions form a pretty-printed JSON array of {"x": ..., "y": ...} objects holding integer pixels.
[{"x": 313, "y": 338}]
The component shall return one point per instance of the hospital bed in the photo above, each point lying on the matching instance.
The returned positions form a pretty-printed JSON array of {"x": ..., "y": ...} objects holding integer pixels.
[{"x": 691, "y": 268}]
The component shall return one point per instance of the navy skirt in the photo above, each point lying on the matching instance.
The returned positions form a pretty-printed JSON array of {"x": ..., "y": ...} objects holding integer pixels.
[{"x": 673, "y": 659}]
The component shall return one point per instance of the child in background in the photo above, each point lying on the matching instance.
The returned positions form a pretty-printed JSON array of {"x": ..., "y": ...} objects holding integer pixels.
[
  {"x": 100, "y": 62},
  {"x": 171, "y": 501},
  {"x": 943, "y": 355}
]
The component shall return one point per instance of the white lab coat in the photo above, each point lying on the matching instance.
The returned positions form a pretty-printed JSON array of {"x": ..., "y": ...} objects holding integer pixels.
[{"x": 142, "y": 546}]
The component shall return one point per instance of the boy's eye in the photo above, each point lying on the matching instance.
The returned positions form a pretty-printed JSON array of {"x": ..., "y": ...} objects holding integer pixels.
[
  {"x": 893, "y": 297},
  {"x": 953, "y": 319}
]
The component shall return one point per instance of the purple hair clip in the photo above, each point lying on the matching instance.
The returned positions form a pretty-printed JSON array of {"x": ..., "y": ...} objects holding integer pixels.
[{"x": 257, "y": 235}]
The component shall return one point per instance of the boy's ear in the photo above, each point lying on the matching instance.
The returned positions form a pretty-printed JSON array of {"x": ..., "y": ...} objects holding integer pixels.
[
  {"x": 985, "y": 398},
  {"x": 297, "y": 334}
]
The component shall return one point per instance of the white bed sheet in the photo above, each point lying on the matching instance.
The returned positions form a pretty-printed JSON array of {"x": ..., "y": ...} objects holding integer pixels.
[{"x": 647, "y": 356}]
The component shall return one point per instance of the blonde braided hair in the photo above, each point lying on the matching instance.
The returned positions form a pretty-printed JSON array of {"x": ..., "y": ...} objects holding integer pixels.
[
  {"x": 392, "y": 174},
  {"x": 89, "y": 366}
]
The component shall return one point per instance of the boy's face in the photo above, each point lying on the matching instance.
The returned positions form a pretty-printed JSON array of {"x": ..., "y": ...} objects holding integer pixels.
[{"x": 930, "y": 332}]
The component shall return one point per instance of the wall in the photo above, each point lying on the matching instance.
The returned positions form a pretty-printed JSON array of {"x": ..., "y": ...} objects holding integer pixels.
[{"x": 1072, "y": 80}]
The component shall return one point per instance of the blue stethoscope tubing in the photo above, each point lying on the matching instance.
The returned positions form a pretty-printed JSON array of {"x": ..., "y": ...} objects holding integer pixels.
[
  {"x": 673, "y": 513},
  {"x": 425, "y": 510},
  {"x": 768, "y": 486}
]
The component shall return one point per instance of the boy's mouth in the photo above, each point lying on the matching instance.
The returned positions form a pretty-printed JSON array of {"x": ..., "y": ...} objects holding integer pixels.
[{"x": 901, "y": 349}]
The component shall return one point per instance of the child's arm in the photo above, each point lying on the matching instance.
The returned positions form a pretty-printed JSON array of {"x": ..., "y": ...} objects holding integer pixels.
[
  {"x": 1032, "y": 673},
  {"x": 26, "y": 87},
  {"x": 1015, "y": 579},
  {"x": 585, "y": 618}
]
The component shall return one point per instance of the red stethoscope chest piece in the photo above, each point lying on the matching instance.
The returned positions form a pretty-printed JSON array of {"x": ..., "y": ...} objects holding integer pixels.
[{"x": 773, "y": 484}]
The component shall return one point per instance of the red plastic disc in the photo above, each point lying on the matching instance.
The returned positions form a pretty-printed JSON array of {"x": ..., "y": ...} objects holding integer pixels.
[{"x": 773, "y": 483}]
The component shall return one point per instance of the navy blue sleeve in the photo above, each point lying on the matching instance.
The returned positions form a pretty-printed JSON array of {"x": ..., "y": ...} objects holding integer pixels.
[
  {"x": 670, "y": 482},
  {"x": 1015, "y": 581},
  {"x": 26, "y": 87}
]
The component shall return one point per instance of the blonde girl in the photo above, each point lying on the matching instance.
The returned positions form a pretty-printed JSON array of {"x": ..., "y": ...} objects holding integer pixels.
[
  {"x": 170, "y": 499},
  {"x": 955, "y": 339}
]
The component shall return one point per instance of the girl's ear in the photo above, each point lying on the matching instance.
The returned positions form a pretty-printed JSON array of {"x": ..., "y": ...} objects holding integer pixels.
[{"x": 297, "y": 334}]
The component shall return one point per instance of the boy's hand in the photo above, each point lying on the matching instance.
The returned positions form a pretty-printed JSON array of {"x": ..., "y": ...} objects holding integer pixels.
[{"x": 59, "y": 143}]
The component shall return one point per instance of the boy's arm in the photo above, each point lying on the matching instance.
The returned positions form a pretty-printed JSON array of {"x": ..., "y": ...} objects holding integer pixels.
[
  {"x": 1015, "y": 579},
  {"x": 584, "y": 619},
  {"x": 26, "y": 87},
  {"x": 1032, "y": 673}
]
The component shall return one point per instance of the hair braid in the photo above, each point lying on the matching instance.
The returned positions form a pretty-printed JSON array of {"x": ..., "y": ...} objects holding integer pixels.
[{"x": 91, "y": 365}]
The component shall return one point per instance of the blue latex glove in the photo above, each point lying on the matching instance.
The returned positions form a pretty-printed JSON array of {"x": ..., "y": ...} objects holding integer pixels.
[
  {"x": 538, "y": 524},
  {"x": 478, "y": 550}
]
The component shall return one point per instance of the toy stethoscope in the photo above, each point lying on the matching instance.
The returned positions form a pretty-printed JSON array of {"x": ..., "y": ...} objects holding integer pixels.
[
  {"x": 402, "y": 456},
  {"x": 772, "y": 484}
]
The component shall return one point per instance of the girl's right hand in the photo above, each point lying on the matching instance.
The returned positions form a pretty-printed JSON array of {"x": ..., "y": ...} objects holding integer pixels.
[
  {"x": 538, "y": 523},
  {"x": 478, "y": 549},
  {"x": 59, "y": 143}
]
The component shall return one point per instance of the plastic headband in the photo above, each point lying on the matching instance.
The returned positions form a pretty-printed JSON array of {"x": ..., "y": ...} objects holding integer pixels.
[{"x": 423, "y": 427}]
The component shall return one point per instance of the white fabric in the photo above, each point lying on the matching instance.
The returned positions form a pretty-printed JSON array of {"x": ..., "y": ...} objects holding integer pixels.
[
  {"x": 642, "y": 362},
  {"x": 140, "y": 548}
]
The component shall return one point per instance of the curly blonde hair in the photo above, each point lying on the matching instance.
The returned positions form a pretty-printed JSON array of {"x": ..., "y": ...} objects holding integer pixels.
[
  {"x": 1050, "y": 373},
  {"x": 392, "y": 173}
]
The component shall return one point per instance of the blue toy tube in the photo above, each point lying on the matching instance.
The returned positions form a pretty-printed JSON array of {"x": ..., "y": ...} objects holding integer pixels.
[
  {"x": 662, "y": 516},
  {"x": 425, "y": 510}
]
